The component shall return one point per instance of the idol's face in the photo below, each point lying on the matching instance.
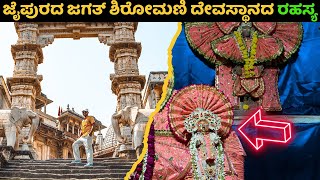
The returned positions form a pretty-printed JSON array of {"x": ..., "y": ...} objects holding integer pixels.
[{"x": 246, "y": 31}]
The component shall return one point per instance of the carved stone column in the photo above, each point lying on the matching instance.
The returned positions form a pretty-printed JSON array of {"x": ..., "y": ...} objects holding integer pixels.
[
  {"x": 27, "y": 54},
  {"x": 60, "y": 150},
  {"x": 125, "y": 52},
  {"x": 158, "y": 92},
  {"x": 25, "y": 83}
]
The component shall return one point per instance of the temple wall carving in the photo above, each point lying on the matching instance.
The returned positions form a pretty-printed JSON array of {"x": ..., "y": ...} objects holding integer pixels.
[
  {"x": 27, "y": 33},
  {"x": 126, "y": 62},
  {"x": 23, "y": 95},
  {"x": 124, "y": 31}
]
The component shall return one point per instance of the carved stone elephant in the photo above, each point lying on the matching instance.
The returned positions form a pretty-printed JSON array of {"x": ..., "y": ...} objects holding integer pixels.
[
  {"x": 12, "y": 121},
  {"x": 137, "y": 119}
]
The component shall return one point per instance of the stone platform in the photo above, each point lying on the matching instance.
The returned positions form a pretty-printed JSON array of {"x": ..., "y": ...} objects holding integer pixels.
[{"x": 104, "y": 168}]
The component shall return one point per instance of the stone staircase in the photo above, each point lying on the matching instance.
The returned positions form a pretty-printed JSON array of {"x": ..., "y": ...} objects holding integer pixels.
[{"x": 104, "y": 168}]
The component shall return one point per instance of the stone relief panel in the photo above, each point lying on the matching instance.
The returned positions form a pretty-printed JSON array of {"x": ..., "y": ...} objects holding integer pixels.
[
  {"x": 129, "y": 100},
  {"x": 124, "y": 52},
  {"x": 157, "y": 77},
  {"x": 28, "y": 90},
  {"x": 23, "y": 101},
  {"x": 27, "y": 33},
  {"x": 23, "y": 96},
  {"x": 133, "y": 87},
  {"x": 126, "y": 66},
  {"x": 124, "y": 31},
  {"x": 25, "y": 67}
]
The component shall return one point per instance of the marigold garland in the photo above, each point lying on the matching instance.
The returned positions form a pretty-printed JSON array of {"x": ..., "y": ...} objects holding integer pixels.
[{"x": 249, "y": 60}]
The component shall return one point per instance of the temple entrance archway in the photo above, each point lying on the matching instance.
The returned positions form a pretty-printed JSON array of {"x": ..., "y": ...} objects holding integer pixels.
[{"x": 124, "y": 52}]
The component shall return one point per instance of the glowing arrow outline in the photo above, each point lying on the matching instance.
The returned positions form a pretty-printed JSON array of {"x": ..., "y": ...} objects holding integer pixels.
[{"x": 260, "y": 123}]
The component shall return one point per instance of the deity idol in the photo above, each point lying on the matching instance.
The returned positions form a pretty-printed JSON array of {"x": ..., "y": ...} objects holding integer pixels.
[
  {"x": 191, "y": 138},
  {"x": 247, "y": 57}
]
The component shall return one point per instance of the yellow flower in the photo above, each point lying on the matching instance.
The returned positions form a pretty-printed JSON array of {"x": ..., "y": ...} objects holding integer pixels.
[
  {"x": 249, "y": 59},
  {"x": 245, "y": 106}
]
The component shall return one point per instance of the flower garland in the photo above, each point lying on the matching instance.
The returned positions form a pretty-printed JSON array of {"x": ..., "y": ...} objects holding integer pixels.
[
  {"x": 144, "y": 166},
  {"x": 249, "y": 60},
  {"x": 170, "y": 89},
  {"x": 206, "y": 171},
  {"x": 137, "y": 173},
  {"x": 202, "y": 170},
  {"x": 151, "y": 154}
]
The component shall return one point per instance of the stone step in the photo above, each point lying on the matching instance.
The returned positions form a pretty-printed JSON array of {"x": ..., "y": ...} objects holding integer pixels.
[
  {"x": 66, "y": 162},
  {"x": 25, "y": 174},
  {"x": 68, "y": 171},
  {"x": 69, "y": 160},
  {"x": 105, "y": 166}
]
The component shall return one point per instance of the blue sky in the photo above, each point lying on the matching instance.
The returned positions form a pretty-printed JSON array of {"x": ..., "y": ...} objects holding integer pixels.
[{"x": 76, "y": 72}]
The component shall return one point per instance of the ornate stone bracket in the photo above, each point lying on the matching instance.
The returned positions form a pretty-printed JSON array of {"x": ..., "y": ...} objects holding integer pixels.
[
  {"x": 105, "y": 39},
  {"x": 45, "y": 40}
]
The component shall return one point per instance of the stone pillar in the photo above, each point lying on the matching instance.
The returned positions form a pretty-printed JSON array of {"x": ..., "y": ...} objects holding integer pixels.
[
  {"x": 68, "y": 127},
  {"x": 100, "y": 140},
  {"x": 60, "y": 150},
  {"x": 27, "y": 54},
  {"x": 125, "y": 52},
  {"x": 72, "y": 129},
  {"x": 158, "y": 92},
  {"x": 48, "y": 152}
]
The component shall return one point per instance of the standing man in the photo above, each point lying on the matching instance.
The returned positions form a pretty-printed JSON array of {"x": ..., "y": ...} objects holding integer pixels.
[{"x": 85, "y": 139}]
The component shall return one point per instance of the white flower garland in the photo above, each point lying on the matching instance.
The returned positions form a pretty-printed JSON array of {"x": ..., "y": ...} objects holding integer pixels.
[
  {"x": 214, "y": 124},
  {"x": 144, "y": 166},
  {"x": 218, "y": 166}
]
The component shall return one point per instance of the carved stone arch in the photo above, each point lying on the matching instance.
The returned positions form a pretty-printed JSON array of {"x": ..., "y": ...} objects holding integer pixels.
[
  {"x": 33, "y": 36},
  {"x": 124, "y": 52}
]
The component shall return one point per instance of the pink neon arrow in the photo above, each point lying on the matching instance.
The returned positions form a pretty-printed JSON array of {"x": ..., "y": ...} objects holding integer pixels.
[{"x": 282, "y": 128}]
